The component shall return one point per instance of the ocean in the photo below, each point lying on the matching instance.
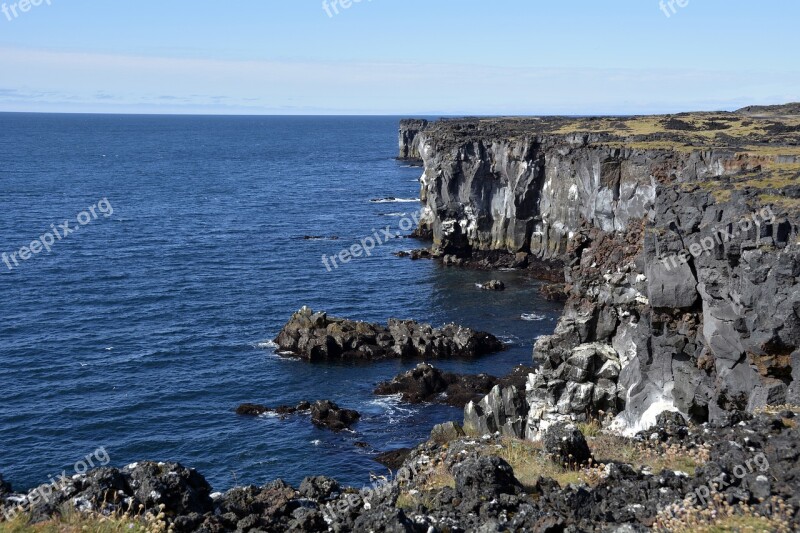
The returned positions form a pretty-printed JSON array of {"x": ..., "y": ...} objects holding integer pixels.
[{"x": 148, "y": 318}]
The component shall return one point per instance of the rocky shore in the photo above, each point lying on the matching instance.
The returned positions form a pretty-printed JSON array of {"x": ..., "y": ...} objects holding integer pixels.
[
  {"x": 666, "y": 398},
  {"x": 740, "y": 474}
]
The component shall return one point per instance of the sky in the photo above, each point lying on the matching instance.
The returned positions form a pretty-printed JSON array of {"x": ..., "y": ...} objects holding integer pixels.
[{"x": 397, "y": 57}]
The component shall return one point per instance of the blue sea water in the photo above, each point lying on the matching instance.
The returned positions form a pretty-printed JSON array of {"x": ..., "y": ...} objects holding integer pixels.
[{"x": 142, "y": 331}]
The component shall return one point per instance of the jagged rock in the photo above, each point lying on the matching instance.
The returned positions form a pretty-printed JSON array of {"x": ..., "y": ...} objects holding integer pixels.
[
  {"x": 182, "y": 490},
  {"x": 446, "y": 432},
  {"x": 566, "y": 445},
  {"x": 503, "y": 410},
  {"x": 393, "y": 459},
  {"x": 483, "y": 477},
  {"x": 327, "y": 414},
  {"x": 316, "y": 336},
  {"x": 384, "y": 519},
  {"x": 318, "y": 488},
  {"x": 426, "y": 383}
]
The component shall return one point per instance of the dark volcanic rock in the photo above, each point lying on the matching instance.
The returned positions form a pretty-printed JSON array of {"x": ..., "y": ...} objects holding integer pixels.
[
  {"x": 318, "y": 488},
  {"x": 329, "y": 415},
  {"x": 566, "y": 445},
  {"x": 425, "y": 383},
  {"x": 316, "y": 337},
  {"x": 182, "y": 490},
  {"x": 393, "y": 459},
  {"x": 485, "y": 477},
  {"x": 251, "y": 409},
  {"x": 254, "y": 409}
]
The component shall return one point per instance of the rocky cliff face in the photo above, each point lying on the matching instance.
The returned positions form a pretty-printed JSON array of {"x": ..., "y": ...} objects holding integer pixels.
[
  {"x": 410, "y": 130},
  {"x": 680, "y": 236}
]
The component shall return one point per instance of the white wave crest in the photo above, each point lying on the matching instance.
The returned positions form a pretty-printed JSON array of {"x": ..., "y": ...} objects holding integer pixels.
[
  {"x": 533, "y": 317},
  {"x": 393, "y": 200}
]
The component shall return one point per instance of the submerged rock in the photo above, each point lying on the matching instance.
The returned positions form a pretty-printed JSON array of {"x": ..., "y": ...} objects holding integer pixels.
[
  {"x": 317, "y": 337},
  {"x": 493, "y": 285},
  {"x": 324, "y": 413}
]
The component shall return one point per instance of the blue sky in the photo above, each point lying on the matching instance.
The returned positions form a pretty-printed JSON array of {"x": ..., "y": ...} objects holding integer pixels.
[{"x": 399, "y": 57}]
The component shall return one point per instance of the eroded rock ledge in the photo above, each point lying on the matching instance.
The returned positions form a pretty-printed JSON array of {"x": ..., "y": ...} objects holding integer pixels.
[{"x": 318, "y": 337}]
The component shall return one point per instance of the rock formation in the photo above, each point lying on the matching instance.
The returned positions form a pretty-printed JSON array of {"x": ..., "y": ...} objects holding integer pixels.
[
  {"x": 317, "y": 337},
  {"x": 425, "y": 383},
  {"x": 679, "y": 236}
]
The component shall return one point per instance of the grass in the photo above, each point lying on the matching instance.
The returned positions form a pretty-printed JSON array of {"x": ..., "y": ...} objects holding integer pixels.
[
  {"x": 74, "y": 522},
  {"x": 433, "y": 482},
  {"x": 71, "y": 521},
  {"x": 656, "y": 457},
  {"x": 530, "y": 465}
]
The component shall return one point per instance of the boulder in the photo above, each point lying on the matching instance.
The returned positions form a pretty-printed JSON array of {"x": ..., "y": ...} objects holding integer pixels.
[
  {"x": 565, "y": 444},
  {"x": 319, "y": 488},
  {"x": 425, "y": 383},
  {"x": 444, "y": 433},
  {"x": 485, "y": 477},
  {"x": 182, "y": 490},
  {"x": 327, "y": 414}
]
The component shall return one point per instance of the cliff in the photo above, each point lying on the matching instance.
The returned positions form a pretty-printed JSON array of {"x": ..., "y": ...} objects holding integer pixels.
[{"x": 680, "y": 238}]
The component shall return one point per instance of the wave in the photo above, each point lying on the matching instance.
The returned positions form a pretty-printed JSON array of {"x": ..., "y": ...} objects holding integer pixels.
[
  {"x": 533, "y": 317},
  {"x": 395, "y": 410},
  {"x": 393, "y": 200},
  {"x": 509, "y": 339},
  {"x": 394, "y": 214},
  {"x": 267, "y": 345}
]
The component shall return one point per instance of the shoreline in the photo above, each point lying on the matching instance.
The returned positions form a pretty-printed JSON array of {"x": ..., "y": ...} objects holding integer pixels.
[{"x": 643, "y": 345}]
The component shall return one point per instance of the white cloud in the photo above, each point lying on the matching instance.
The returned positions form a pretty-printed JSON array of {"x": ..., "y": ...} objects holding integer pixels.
[{"x": 46, "y": 80}]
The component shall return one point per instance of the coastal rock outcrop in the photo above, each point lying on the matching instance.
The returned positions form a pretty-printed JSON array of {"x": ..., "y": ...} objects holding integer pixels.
[
  {"x": 318, "y": 337},
  {"x": 426, "y": 383},
  {"x": 324, "y": 413},
  {"x": 329, "y": 415},
  {"x": 680, "y": 240},
  {"x": 744, "y": 470}
]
